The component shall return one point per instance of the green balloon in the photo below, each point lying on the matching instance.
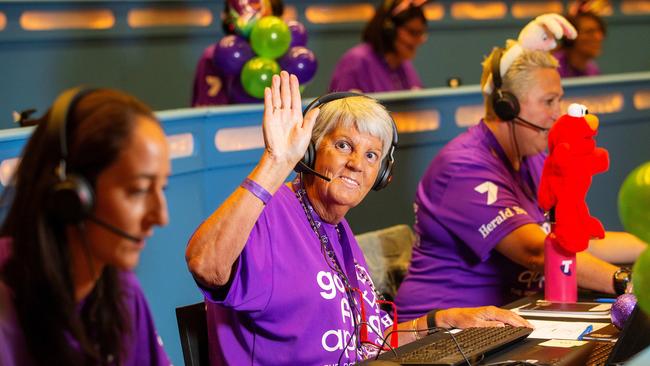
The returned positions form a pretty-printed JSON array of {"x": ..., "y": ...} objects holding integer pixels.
[
  {"x": 270, "y": 37},
  {"x": 634, "y": 202},
  {"x": 257, "y": 74},
  {"x": 641, "y": 280}
]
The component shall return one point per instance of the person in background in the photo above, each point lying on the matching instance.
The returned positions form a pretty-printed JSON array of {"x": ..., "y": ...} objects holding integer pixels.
[
  {"x": 209, "y": 86},
  {"x": 577, "y": 57},
  {"x": 383, "y": 61},
  {"x": 284, "y": 280},
  {"x": 480, "y": 230},
  {"x": 87, "y": 193}
]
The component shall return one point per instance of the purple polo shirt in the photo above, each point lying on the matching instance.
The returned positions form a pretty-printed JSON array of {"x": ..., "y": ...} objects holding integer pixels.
[
  {"x": 567, "y": 71},
  {"x": 362, "y": 69},
  {"x": 285, "y": 305},
  {"x": 468, "y": 200},
  {"x": 144, "y": 345}
]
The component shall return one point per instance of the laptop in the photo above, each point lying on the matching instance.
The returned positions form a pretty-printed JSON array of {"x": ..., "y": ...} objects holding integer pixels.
[{"x": 634, "y": 337}]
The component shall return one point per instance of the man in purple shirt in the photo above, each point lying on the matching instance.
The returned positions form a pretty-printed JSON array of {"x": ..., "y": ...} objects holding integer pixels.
[
  {"x": 383, "y": 62},
  {"x": 481, "y": 234}
]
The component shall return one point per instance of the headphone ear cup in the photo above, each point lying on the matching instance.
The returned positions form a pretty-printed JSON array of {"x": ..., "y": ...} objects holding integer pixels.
[
  {"x": 385, "y": 175},
  {"x": 309, "y": 159},
  {"x": 505, "y": 105},
  {"x": 388, "y": 29},
  {"x": 71, "y": 200}
]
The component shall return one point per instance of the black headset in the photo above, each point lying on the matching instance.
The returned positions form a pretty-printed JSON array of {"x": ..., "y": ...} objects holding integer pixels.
[
  {"x": 306, "y": 165},
  {"x": 388, "y": 24},
  {"x": 504, "y": 103},
  {"x": 71, "y": 199}
]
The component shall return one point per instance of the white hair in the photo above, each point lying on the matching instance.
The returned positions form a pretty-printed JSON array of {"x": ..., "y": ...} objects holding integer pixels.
[{"x": 363, "y": 113}]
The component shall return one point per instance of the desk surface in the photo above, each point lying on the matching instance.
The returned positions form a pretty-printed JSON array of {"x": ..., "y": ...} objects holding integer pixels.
[{"x": 531, "y": 349}]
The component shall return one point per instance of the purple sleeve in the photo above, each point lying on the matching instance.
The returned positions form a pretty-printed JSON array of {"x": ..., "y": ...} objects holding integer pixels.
[
  {"x": 252, "y": 278},
  {"x": 209, "y": 86},
  {"x": 146, "y": 345},
  {"x": 480, "y": 208}
]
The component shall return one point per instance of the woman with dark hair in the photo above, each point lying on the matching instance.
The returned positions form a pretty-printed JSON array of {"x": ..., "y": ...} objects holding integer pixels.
[
  {"x": 577, "y": 57},
  {"x": 383, "y": 61},
  {"x": 87, "y": 193},
  {"x": 210, "y": 86}
]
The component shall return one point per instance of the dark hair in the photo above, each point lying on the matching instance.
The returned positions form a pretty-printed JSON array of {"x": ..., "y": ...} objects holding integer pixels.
[
  {"x": 228, "y": 23},
  {"x": 380, "y": 32},
  {"x": 575, "y": 19},
  {"x": 38, "y": 271}
]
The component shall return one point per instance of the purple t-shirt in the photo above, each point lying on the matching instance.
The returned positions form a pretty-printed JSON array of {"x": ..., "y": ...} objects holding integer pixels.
[
  {"x": 468, "y": 200},
  {"x": 362, "y": 69},
  {"x": 567, "y": 71},
  {"x": 145, "y": 346},
  {"x": 285, "y": 305}
]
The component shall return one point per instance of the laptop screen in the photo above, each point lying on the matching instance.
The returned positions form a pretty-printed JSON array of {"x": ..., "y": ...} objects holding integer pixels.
[{"x": 634, "y": 337}]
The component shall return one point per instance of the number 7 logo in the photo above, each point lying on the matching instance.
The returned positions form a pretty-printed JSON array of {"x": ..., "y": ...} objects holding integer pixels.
[{"x": 490, "y": 188}]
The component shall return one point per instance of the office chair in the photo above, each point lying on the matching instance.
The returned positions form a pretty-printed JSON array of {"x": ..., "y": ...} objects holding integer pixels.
[
  {"x": 193, "y": 331},
  {"x": 388, "y": 254}
]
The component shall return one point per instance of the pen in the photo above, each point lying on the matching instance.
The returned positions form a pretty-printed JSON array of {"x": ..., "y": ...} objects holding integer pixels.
[
  {"x": 586, "y": 331},
  {"x": 605, "y": 300}
]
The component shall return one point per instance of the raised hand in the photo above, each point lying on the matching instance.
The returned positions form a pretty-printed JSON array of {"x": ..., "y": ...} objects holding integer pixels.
[{"x": 286, "y": 132}]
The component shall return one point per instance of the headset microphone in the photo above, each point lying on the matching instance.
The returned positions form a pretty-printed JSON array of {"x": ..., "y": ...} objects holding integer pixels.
[
  {"x": 528, "y": 124},
  {"x": 308, "y": 170},
  {"x": 113, "y": 229}
]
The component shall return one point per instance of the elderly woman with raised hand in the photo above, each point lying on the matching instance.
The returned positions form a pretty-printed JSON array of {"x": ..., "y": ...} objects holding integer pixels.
[
  {"x": 284, "y": 280},
  {"x": 481, "y": 232}
]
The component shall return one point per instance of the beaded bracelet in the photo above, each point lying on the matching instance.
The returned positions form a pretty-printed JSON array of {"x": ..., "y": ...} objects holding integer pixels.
[{"x": 256, "y": 189}]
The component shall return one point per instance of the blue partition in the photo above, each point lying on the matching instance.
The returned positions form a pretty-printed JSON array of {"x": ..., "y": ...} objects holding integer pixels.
[{"x": 203, "y": 176}]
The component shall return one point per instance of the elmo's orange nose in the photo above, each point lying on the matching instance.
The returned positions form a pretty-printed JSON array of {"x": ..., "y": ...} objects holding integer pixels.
[{"x": 592, "y": 121}]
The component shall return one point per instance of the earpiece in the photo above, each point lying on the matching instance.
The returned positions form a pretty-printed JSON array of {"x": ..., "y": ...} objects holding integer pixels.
[
  {"x": 504, "y": 104},
  {"x": 389, "y": 32},
  {"x": 71, "y": 198},
  {"x": 306, "y": 165}
]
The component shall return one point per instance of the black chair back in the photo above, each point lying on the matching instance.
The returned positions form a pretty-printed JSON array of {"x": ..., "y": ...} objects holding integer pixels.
[{"x": 193, "y": 330}]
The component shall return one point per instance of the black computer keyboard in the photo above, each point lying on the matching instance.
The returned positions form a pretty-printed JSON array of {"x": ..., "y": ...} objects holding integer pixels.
[
  {"x": 440, "y": 348},
  {"x": 600, "y": 353}
]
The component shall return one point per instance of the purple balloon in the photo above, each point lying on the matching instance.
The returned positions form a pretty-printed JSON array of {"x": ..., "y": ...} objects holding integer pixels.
[
  {"x": 298, "y": 33},
  {"x": 301, "y": 62},
  {"x": 231, "y": 53},
  {"x": 622, "y": 309}
]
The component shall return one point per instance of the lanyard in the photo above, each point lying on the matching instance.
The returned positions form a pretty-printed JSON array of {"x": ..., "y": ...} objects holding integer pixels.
[{"x": 350, "y": 274}]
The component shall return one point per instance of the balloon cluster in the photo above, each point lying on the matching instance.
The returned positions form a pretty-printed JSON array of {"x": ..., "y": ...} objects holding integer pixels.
[{"x": 261, "y": 47}]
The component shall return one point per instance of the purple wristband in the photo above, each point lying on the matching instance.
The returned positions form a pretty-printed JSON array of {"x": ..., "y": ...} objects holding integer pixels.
[{"x": 256, "y": 189}]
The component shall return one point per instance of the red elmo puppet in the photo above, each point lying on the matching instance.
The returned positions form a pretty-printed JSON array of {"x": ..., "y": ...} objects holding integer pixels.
[{"x": 573, "y": 159}]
